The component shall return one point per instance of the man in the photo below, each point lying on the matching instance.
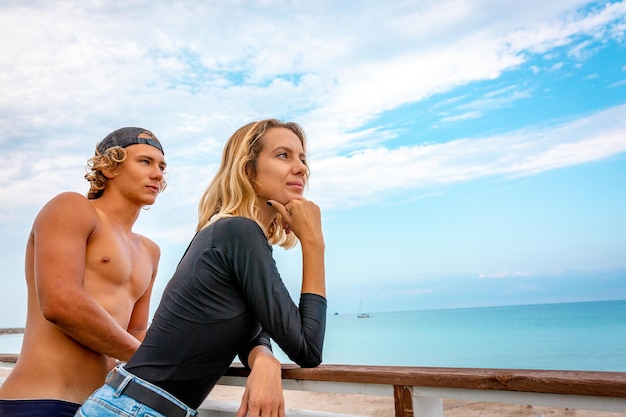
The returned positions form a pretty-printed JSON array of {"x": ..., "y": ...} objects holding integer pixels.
[{"x": 89, "y": 280}]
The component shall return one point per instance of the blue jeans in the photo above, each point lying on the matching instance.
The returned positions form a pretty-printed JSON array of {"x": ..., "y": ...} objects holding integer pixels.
[{"x": 109, "y": 401}]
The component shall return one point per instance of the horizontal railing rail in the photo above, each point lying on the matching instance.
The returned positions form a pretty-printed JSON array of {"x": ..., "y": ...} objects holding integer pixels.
[
  {"x": 419, "y": 391},
  {"x": 423, "y": 388}
]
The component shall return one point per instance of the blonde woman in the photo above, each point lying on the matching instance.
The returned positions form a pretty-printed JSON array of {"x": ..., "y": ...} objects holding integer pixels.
[{"x": 226, "y": 297}]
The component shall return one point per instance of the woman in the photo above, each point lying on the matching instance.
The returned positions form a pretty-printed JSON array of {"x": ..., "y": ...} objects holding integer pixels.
[{"x": 226, "y": 296}]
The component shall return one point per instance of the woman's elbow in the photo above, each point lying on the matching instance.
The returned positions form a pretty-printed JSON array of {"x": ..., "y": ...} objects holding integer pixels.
[{"x": 310, "y": 361}]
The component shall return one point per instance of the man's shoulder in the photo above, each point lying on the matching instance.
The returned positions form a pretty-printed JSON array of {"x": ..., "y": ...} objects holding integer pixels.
[
  {"x": 68, "y": 198},
  {"x": 68, "y": 203},
  {"x": 68, "y": 213},
  {"x": 149, "y": 244}
]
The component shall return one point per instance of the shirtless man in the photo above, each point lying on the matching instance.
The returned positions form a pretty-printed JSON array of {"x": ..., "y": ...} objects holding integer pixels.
[{"x": 89, "y": 279}]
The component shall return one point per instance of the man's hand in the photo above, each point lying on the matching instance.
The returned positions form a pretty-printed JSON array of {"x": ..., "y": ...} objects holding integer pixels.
[{"x": 263, "y": 396}]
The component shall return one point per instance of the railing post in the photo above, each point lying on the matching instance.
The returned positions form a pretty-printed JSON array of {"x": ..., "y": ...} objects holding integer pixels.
[{"x": 403, "y": 400}]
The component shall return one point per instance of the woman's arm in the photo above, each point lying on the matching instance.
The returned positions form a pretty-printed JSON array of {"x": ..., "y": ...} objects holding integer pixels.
[
  {"x": 263, "y": 395},
  {"x": 297, "y": 329},
  {"x": 303, "y": 217}
]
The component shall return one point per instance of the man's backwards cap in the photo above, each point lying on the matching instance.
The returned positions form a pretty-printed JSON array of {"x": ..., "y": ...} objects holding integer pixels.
[{"x": 127, "y": 136}]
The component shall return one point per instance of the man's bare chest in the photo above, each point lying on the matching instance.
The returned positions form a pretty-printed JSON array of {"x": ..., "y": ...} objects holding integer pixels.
[{"x": 116, "y": 260}]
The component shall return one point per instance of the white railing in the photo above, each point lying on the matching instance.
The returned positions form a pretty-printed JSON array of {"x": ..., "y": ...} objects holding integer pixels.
[
  {"x": 427, "y": 401},
  {"x": 419, "y": 392}
]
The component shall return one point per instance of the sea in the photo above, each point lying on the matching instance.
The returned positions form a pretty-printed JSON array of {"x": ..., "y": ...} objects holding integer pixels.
[{"x": 584, "y": 336}]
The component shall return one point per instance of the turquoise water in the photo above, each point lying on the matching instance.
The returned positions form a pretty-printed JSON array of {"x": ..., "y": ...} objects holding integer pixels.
[{"x": 573, "y": 336}]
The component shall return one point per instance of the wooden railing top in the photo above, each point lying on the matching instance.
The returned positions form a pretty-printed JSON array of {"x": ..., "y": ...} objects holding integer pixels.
[
  {"x": 8, "y": 357},
  {"x": 601, "y": 384}
]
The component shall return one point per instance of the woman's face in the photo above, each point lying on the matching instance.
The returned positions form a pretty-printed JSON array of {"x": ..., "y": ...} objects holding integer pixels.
[{"x": 281, "y": 166}]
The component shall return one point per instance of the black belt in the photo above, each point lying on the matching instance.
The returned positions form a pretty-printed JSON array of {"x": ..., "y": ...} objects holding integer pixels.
[{"x": 145, "y": 395}]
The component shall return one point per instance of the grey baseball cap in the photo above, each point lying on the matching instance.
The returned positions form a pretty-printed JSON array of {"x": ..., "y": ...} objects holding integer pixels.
[{"x": 127, "y": 136}]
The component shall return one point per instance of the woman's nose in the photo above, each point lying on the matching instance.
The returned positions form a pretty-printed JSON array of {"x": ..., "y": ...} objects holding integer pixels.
[{"x": 300, "y": 167}]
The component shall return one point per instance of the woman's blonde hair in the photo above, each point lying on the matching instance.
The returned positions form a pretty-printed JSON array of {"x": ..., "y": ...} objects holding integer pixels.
[{"x": 231, "y": 193}]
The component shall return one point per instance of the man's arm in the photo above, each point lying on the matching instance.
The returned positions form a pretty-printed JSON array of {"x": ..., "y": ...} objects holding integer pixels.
[
  {"x": 61, "y": 232},
  {"x": 263, "y": 395},
  {"x": 138, "y": 323}
]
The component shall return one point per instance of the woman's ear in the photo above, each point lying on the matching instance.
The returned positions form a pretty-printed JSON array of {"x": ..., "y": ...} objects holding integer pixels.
[
  {"x": 250, "y": 172},
  {"x": 250, "y": 176}
]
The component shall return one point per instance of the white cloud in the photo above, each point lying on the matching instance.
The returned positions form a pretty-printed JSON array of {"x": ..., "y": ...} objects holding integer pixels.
[
  {"x": 193, "y": 77},
  {"x": 465, "y": 116},
  {"x": 556, "y": 66},
  {"x": 360, "y": 177},
  {"x": 75, "y": 61},
  {"x": 618, "y": 84}
]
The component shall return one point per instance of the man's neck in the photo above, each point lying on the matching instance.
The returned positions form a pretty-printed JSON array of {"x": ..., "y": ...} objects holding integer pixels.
[{"x": 124, "y": 213}]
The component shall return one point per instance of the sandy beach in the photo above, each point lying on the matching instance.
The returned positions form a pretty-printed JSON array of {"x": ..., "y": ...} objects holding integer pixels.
[{"x": 375, "y": 406}]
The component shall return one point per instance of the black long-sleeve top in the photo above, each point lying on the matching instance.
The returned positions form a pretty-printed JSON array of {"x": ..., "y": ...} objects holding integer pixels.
[{"x": 225, "y": 297}]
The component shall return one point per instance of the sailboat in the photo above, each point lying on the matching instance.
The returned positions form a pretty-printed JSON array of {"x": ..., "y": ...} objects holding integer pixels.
[{"x": 361, "y": 314}]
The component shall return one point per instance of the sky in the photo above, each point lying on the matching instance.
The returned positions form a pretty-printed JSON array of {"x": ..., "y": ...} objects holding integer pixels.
[{"x": 464, "y": 153}]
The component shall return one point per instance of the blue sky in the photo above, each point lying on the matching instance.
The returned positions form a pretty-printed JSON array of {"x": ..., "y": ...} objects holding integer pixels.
[{"x": 464, "y": 153}]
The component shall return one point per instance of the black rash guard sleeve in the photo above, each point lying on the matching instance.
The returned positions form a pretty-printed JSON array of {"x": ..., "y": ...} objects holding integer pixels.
[
  {"x": 225, "y": 297},
  {"x": 263, "y": 339},
  {"x": 298, "y": 331}
]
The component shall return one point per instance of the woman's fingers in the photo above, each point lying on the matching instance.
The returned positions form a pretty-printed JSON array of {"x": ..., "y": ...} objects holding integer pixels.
[
  {"x": 278, "y": 207},
  {"x": 301, "y": 216}
]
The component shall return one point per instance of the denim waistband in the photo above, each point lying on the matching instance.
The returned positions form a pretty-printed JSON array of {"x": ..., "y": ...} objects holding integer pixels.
[{"x": 154, "y": 397}]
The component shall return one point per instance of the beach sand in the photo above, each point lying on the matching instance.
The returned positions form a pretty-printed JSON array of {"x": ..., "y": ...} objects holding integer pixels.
[{"x": 375, "y": 406}]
